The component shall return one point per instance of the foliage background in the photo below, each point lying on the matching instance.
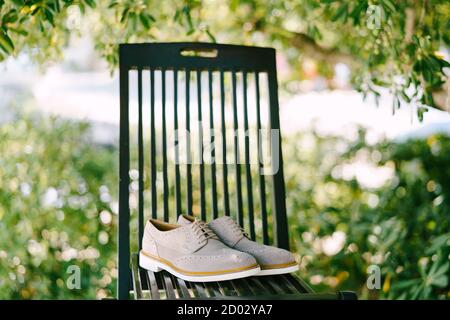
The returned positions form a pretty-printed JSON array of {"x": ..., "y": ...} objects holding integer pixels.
[
  {"x": 394, "y": 44},
  {"x": 56, "y": 209},
  {"x": 58, "y": 206},
  {"x": 58, "y": 190}
]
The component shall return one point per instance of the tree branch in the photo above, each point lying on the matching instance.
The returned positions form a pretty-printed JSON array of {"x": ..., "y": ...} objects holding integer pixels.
[
  {"x": 410, "y": 23},
  {"x": 442, "y": 97},
  {"x": 311, "y": 48}
]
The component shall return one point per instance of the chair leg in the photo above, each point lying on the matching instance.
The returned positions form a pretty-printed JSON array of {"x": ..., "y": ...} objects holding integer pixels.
[{"x": 347, "y": 295}]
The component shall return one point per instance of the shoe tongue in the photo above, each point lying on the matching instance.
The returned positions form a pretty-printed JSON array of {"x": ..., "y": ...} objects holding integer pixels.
[
  {"x": 206, "y": 231},
  {"x": 227, "y": 230}
]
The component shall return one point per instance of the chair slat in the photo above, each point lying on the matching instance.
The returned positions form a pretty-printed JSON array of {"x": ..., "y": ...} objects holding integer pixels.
[
  {"x": 248, "y": 173},
  {"x": 226, "y": 201},
  {"x": 280, "y": 224},
  {"x": 215, "y": 209},
  {"x": 136, "y": 278},
  {"x": 176, "y": 141},
  {"x": 152, "y": 144},
  {"x": 226, "y": 288},
  {"x": 200, "y": 146},
  {"x": 290, "y": 287},
  {"x": 176, "y": 286},
  {"x": 268, "y": 287},
  {"x": 168, "y": 286},
  {"x": 221, "y": 288},
  {"x": 259, "y": 287},
  {"x": 188, "y": 145},
  {"x": 213, "y": 289},
  {"x": 239, "y": 209},
  {"x": 192, "y": 289},
  {"x": 140, "y": 163},
  {"x": 143, "y": 277},
  {"x": 153, "y": 285},
  {"x": 159, "y": 280},
  {"x": 183, "y": 287},
  {"x": 240, "y": 287},
  {"x": 124, "y": 272},
  {"x": 280, "y": 284},
  {"x": 298, "y": 283},
  {"x": 247, "y": 284},
  {"x": 262, "y": 188},
  {"x": 201, "y": 292},
  {"x": 274, "y": 283},
  {"x": 234, "y": 287},
  {"x": 164, "y": 148}
]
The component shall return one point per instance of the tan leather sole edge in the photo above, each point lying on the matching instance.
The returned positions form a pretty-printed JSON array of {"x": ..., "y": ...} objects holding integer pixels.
[
  {"x": 197, "y": 273},
  {"x": 277, "y": 266}
]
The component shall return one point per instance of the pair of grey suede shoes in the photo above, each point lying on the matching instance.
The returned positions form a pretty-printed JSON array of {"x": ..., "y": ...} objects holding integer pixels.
[{"x": 216, "y": 251}]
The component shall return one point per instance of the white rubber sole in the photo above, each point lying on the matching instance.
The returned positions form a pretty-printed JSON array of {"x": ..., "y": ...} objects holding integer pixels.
[
  {"x": 268, "y": 272},
  {"x": 156, "y": 266}
]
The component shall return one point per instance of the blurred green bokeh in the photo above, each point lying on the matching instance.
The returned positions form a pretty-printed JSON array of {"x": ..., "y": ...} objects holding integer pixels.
[
  {"x": 341, "y": 227},
  {"x": 58, "y": 207},
  {"x": 57, "y": 195}
]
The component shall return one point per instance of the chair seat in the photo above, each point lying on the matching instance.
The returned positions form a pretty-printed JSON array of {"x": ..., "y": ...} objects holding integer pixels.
[{"x": 163, "y": 285}]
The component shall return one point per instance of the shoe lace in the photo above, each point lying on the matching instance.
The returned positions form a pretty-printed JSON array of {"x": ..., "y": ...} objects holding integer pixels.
[
  {"x": 237, "y": 228},
  {"x": 202, "y": 231}
]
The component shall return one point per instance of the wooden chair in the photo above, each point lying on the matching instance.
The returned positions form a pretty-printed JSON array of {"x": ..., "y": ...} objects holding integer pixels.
[{"x": 228, "y": 95}]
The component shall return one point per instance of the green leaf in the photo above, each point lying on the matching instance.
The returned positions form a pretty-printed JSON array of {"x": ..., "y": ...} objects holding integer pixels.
[
  {"x": 443, "y": 63},
  {"x": 132, "y": 17},
  {"x": 82, "y": 7},
  {"x": 124, "y": 15},
  {"x": 437, "y": 243},
  {"x": 357, "y": 10},
  {"x": 442, "y": 270},
  {"x": 113, "y": 4},
  {"x": 6, "y": 43},
  {"x": 440, "y": 281},
  {"x": 56, "y": 6},
  {"x": 22, "y": 32},
  {"x": 18, "y": 2},
  {"x": 417, "y": 67},
  {"x": 187, "y": 14},
  {"x": 427, "y": 74},
  {"x": 387, "y": 4},
  {"x": 433, "y": 63},
  {"x": 10, "y": 17},
  {"x": 210, "y": 35},
  {"x": 177, "y": 15},
  {"x": 35, "y": 10},
  {"x": 144, "y": 20},
  {"x": 405, "y": 97},
  {"x": 380, "y": 82},
  {"x": 314, "y": 32},
  {"x": 420, "y": 112},
  {"x": 49, "y": 16},
  {"x": 90, "y": 3},
  {"x": 405, "y": 284},
  {"x": 416, "y": 291},
  {"x": 341, "y": 12},
  {"x": 41, "y": 26}
]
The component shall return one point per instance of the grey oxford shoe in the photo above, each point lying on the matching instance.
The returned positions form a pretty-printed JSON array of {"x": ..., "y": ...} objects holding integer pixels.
[
  {"x": 192, "y": 252},
  {"x": 272, "y": 260}
]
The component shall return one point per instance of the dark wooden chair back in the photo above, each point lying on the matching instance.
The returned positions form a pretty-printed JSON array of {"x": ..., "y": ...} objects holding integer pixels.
[{"x": 210, "y": 112}]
